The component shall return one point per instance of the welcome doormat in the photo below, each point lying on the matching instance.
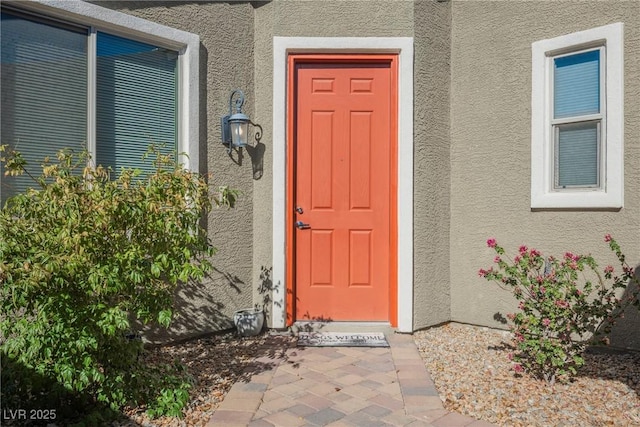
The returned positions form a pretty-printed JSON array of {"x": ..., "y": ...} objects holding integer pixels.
[{"x": 342, "y": 339}]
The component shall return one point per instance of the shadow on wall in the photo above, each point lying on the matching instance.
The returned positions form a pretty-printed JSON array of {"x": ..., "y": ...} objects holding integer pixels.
[
  {"x": 500, "y": 318},
  {"x": 625, "y": 334},
  {"x": 133, "y": 5},
  {"x": 622, "y": 355},
  {"x": 204, "y": 99},
  {"x": 255, "y": 153},
  {"x": 129, "y": 4},
  {"x": 269, "y": 294},
  {"x": 198, "y": 309},
  {"x": 266, "y": 291}
]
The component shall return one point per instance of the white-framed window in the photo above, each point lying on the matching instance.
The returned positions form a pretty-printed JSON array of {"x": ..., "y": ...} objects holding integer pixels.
[
  {"x": 76, "y": 75},
  {"x": 577, "y": 120}
]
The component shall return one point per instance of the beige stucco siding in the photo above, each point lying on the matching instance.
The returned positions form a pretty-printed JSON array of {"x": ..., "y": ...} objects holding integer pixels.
[
  {"x": 432, "y": 183},
  {"x": 491, "y": 144},
  {"x": 226, "y": 55},
  {"x": 265, "y": 291},
  {"x": 337, "y": 18}
]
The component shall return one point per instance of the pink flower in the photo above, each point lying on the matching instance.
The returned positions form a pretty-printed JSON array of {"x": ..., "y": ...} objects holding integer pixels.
[
  {"x": 607, "y": 238},
  {"x": 562, "y": 303},
  {"x": 534, "y": 252},
  {"x": 518, "y": 368},
  {"x": 608, "y": 269},
  {"x": 571, "y": 256},
  {"x": 497, "y": 259},
  {"x": 546, "y": 321},
  {"x": 543, "y": 289},
  {"x": 510, "y": 356},
  {"x": 491, "y": 242},
  {"x": 522, "y": 249},
  {"x": 482, "y": 272},
  {"x": 521, "y": 305},
  {"x": 517, "y": 259}
]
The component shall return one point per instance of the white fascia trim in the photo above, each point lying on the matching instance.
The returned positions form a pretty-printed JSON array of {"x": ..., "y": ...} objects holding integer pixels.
[
  {"x": 403, "y": 46},
  {"x": 612, "y": 196},
  {"x": 187, "y": 44}
]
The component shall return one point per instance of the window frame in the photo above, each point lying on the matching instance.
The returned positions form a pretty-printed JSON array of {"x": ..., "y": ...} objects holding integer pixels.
[
  {"x": 609, "y": 194},
  {"x": 599, "y": 118},
  {"x": 96, "y": 18}
]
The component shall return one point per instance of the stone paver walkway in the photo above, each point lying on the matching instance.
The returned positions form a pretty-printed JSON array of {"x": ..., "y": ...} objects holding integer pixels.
[{"x": 341, "y": 386}]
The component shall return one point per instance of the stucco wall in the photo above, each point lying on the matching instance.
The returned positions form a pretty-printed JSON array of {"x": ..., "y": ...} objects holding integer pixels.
[
  {"x": 265, "y": 291},
  {"x": 432, "y": 184},
  {"x": 334, "y": 18},
  {"x": 491, "y": 143},
  {"x": 227, "y": 63}
]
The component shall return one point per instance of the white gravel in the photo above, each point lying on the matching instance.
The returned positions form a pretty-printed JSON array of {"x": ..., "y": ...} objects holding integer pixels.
[{"x": 473, "y": 376}]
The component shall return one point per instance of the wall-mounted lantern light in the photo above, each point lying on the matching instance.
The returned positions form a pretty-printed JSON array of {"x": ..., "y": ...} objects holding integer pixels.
[{"x": 235, "y": 126}]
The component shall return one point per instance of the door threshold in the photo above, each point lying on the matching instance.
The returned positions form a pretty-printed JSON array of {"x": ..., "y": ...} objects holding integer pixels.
[{"x": 351, "y": 327}]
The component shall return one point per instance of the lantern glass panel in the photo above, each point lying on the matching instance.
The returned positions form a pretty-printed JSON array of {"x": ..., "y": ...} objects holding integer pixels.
[{"x": 239, "y": 132}]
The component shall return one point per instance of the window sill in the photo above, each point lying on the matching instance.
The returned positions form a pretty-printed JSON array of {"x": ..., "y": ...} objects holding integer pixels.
[{"x": 585, "y": 200}]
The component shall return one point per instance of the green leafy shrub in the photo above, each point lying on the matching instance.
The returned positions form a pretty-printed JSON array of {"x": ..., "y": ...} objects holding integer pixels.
[
  {"x": 83, "y": 258},
  {"x": 170, "y": 402},
  {"x": 564, "y": 305}
]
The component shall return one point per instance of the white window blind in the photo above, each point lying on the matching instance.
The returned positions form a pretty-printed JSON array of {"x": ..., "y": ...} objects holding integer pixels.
[
  {"x": 136, "y": 103},
  {"x": 44, "y": 93},
  {"x": 577, "y": 119},
  {"x": 577, "y": 154},
  {"x": 577, "y": 84}
]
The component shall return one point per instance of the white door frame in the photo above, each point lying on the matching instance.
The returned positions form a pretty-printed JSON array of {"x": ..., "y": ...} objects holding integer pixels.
[{"x": 403, "y": 47}]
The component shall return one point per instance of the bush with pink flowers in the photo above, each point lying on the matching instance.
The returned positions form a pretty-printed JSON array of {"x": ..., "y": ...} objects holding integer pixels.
[{"x": 564, "y": 305}]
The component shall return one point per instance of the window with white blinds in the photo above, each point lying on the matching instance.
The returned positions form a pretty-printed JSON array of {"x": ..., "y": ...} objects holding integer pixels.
[
  {"x": 52, "y": 92},
  {"x": 136, "y": 102},
  {"x": 44, "y": 93},
  {"x": 577, "y": 120}
]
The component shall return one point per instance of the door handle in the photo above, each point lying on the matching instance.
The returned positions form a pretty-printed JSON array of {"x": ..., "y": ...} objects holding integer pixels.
[{"x": 302, "y": 226}]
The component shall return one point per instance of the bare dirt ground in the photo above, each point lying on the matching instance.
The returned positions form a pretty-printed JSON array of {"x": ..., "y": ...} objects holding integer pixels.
[{"x": 215, "y": 363}]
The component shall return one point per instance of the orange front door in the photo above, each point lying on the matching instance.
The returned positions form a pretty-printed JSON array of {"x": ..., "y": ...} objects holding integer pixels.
[{"x": 343, "y": 139}]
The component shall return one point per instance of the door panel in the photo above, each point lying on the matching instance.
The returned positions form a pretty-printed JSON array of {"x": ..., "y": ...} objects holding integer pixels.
[{"x": 343, "y": 133}]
